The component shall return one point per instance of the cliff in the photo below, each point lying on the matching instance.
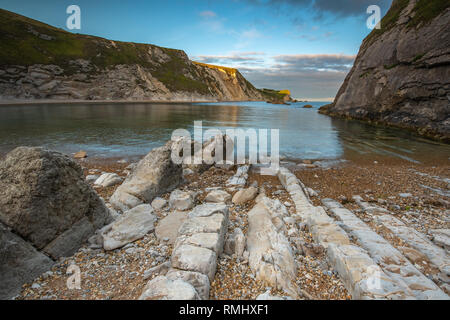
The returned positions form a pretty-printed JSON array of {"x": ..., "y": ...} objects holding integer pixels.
[
  {"x": 38, "y": 61},
  {"x": 401, "y": 76}
]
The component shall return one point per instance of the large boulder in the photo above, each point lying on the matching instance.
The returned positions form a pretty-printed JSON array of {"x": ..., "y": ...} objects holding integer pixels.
[
  {"x": 46, "y": 200},
  {"x": 153, "y": 176},
  {"x": 20, "y": 263}
]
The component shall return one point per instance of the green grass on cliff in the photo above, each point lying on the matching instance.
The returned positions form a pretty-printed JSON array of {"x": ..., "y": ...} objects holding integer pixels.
[
  {"x": 20, "y": 45},
  {"x": 272, "y": 95},
  {"x": 424, "y": 11}
]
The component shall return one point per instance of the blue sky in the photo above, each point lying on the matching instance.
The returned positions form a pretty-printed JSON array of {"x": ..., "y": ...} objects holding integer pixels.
[{"x": 306, "y": 46}]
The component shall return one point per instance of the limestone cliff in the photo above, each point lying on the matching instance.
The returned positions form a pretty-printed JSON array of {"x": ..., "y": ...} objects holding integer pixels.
[
  {"x": 38, "y": 61},
  {"x": 401, "y": 76}
]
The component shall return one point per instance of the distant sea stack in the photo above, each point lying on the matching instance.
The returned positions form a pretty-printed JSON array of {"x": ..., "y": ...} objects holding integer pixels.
[
  {"x": 401, "y": 76},
  {"x": 38, "y": 61}
]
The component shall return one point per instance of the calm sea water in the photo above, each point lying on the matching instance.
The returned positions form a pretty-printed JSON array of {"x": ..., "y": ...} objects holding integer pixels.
[{"x": 131, "y": 130}]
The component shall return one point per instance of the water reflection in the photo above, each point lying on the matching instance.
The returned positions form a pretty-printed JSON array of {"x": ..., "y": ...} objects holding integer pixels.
[{"x": 127, "y": 130}]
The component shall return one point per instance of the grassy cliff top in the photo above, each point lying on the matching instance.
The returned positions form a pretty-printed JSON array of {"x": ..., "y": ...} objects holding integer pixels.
[
  {"x": 228, "y": 70},
  {"x": 423, "y": 12},
  {"x": 24, "y": 41}
]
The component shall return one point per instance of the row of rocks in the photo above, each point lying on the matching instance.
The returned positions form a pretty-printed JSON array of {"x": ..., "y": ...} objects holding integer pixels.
[
  {"x": 411, "y": 281},
  {"x": 417, "y": 240},
  {"x": 270, "y": 256},
  {"x": 193, "y": 263},
  {"x": 353, "y": 264},
  {"x": 198, "y": 238}
]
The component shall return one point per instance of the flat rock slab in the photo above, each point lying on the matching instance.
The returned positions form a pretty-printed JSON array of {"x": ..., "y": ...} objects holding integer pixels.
[
  {"x": 208, "y": 209},
  {"x": 271, "y": 258},
  {"x": 132, "y": 225},
  {"x": 361, "y": 275},
  {"x": 442, "y": 238},
  {"x": 192, "y": 258},
  {"x": 162, "y": 288},
  {"x": 412, "y": 282},
  {"x": 217, "y": 196},
  {"x": 212, "y": 224},
  {"x": 168, "y": 226},
  {"x": 211, "y": 241}
]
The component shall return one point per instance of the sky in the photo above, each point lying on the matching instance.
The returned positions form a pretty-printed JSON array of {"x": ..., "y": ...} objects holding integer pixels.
[{"x": 306, "y": 46}]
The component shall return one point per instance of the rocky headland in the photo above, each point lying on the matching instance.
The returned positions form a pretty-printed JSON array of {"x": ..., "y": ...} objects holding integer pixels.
[
  {"x": 401, "y": 74},
  {"x": 41, "y": 62}
]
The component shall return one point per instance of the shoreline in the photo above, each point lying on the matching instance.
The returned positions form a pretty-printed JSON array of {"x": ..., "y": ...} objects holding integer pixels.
[
  {"x": 392, "y": 185},
  {"x": 51, "y": 101}
]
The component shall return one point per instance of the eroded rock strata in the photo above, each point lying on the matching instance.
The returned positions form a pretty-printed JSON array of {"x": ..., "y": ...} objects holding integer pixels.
[{"x": 401, "y": 74}]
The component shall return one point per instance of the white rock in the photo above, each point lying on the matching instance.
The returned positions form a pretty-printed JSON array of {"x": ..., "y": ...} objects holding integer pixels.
[
  {"x": 192, "y": 258},
  {"x": 108, "y": 180},
  {"x": 267, "y": 296},
  {"x": 441, "y": 237},
  {"x": 211, "y": 241},
  {"x": 215, "y": 223},
  {"x": 182, "y": 200},
  {"x": 208, "y": 209},
  {"x": 198, "y": 280},
  {"x": 218, "y": 196},
  {"x": 245, "y": 195},
  {"x": 132, "y": 225},
  {"x": 271, "y": 258},
  {"x": 159, "y": 203},
  {"x": 162, "y": 288},
  {"x": 91, "y": 178}
]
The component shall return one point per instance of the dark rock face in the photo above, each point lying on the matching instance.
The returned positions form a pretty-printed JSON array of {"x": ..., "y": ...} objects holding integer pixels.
[
  {"x": 45, "y": 200},
  {"x": 401, "y": 77},
  {"x": 20, "y": 262}
]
